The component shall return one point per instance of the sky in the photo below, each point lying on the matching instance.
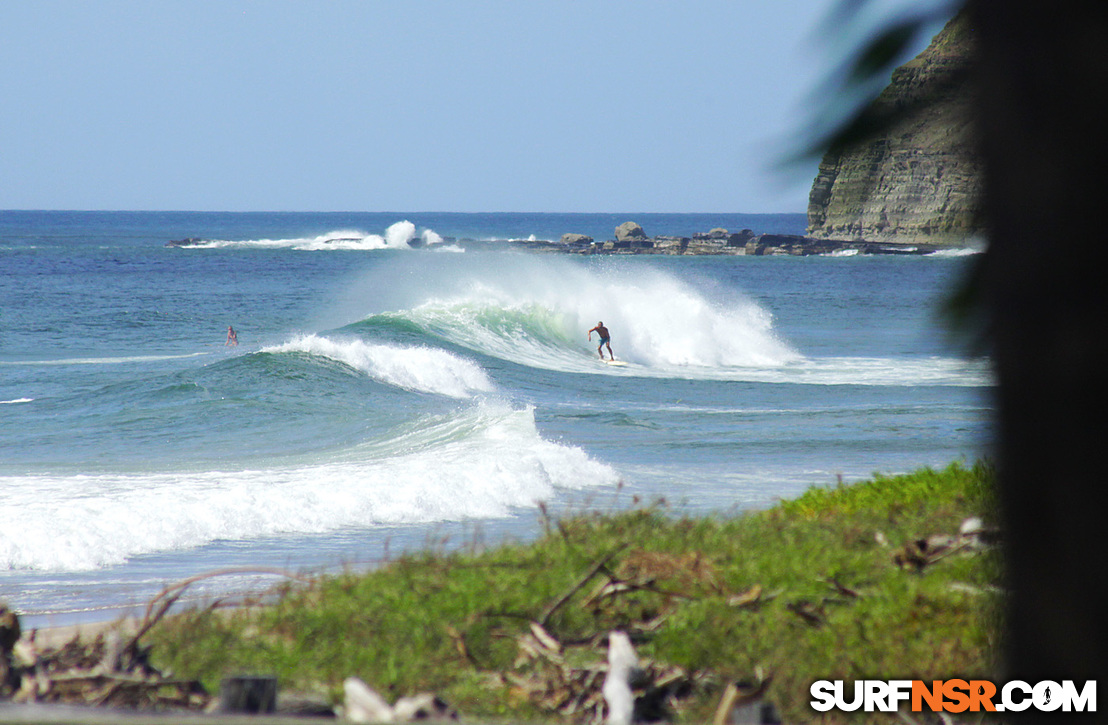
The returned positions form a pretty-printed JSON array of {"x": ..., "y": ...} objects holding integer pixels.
[{"x": 521, "y": 105}]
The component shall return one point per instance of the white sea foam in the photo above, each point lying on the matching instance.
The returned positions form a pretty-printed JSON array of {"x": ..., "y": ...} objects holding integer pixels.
[
  {"x": 944, "y": 371},
  {"x": 889, "y": 372},
  {"x": 397, "y": 236},
  {"x": 423, "y": 369},
  {"x": 400, "y": 233},
  {"x": 975, "y": 245},
  {"x": 16, "y": 400},
  {"x": 485, "y": 462},
  {"x": 538, "y": 312},
  {"x": 959, "y": 252},
  {"x": 671, "y": 324},
  {"x": 102, "y": 360}
]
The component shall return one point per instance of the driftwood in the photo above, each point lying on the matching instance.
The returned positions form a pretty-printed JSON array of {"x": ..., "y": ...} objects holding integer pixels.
[
  {"x": 363, "y": 704},
  {"x": 572, "y": 680},
  {"x": 585, "y": 579},
  {"x": 161, "y": 602},
  {"x": 94, "y": 673},
  {"x": 585, "y": 676},
  {"x": 112, "y": 670},
  {"x": 597, "y": 677},
  {"x": 972, "y": 536}
]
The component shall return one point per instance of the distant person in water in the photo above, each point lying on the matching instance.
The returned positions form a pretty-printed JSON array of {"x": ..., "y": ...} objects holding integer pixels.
[
  {"x": 605, "y": 339},
  {"x": 232, "y": 338}
]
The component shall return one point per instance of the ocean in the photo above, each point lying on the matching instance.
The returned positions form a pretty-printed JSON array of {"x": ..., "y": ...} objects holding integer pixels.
[{"x": 410, "y": 380}]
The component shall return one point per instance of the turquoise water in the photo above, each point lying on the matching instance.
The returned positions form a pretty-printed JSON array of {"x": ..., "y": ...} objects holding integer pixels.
[{"x": 385, "y": 397}]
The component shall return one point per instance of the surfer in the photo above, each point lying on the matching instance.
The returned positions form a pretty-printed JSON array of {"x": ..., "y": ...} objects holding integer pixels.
[
  {"x": 605, "y": 339},
  {"x": 232, "y": 338}
]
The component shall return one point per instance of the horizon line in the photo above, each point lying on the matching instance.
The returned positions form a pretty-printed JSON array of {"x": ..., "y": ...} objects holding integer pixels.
[{"x": 385, "y": 211}]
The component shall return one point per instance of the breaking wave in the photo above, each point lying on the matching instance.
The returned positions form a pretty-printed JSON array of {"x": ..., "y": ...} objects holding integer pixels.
[
  {"x": 483, "y": 461},
  {"x": 402, "y": 235},
  {"x": 423, "y": 369}
]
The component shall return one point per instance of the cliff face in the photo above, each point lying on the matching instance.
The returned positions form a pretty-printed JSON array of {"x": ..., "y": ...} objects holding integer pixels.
[{"x": 920, "y": 181}]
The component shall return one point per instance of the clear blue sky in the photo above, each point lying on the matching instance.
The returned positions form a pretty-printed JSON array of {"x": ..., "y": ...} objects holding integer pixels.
[{"x": 521, "y": 105}]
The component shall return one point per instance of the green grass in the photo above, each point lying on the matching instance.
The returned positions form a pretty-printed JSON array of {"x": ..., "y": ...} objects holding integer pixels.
[{"x": 448, "y": 622}]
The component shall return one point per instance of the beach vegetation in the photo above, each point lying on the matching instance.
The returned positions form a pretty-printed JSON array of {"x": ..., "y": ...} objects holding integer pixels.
[{"x": 893, "y": 577}]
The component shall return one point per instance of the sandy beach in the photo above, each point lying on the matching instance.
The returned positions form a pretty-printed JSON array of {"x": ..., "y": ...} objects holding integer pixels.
[{"x": 54, "y": 637}]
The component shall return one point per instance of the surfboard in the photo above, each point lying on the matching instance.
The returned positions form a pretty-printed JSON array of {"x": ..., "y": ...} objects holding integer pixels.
[{"x": 618, "y": 363}]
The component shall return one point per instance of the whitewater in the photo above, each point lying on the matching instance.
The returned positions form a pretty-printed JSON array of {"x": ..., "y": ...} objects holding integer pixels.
[{"x": 407, "y": 380}]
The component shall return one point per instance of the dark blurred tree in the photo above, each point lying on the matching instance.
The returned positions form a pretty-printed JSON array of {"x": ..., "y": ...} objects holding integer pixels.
[
  {"x": 1042, "y": 113},
  {"x": 1040, "y": 73}
]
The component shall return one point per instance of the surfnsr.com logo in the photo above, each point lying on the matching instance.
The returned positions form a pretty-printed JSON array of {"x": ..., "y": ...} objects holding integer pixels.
[{"x": 954, "y": 696}]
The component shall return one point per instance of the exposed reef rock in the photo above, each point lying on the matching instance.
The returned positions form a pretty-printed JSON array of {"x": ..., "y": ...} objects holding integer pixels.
[
  {"x": 630, "y": 232},
  {"x": 721, "y": 241},
  {"x": 920, "y": 180},
  {"x": 631, "y": 239}
]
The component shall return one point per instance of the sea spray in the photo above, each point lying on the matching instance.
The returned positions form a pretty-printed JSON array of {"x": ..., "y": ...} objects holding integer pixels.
[
  {"x": 536, "y": 312},
  {"x": 669, "y": 324},
  {"x": 398, "y": 235}
]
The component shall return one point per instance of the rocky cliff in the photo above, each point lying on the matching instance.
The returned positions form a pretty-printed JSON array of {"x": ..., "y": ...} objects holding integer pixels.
[{"x": 919, "y": 181}]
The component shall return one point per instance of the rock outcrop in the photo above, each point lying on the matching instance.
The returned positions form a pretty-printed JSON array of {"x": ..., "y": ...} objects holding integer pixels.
[
  {"x": 630, "y": 232},
  {"x": 920, "y": 180},
  {"x": 720, "y": 241},
  {"x": 574, "y": 239}
]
